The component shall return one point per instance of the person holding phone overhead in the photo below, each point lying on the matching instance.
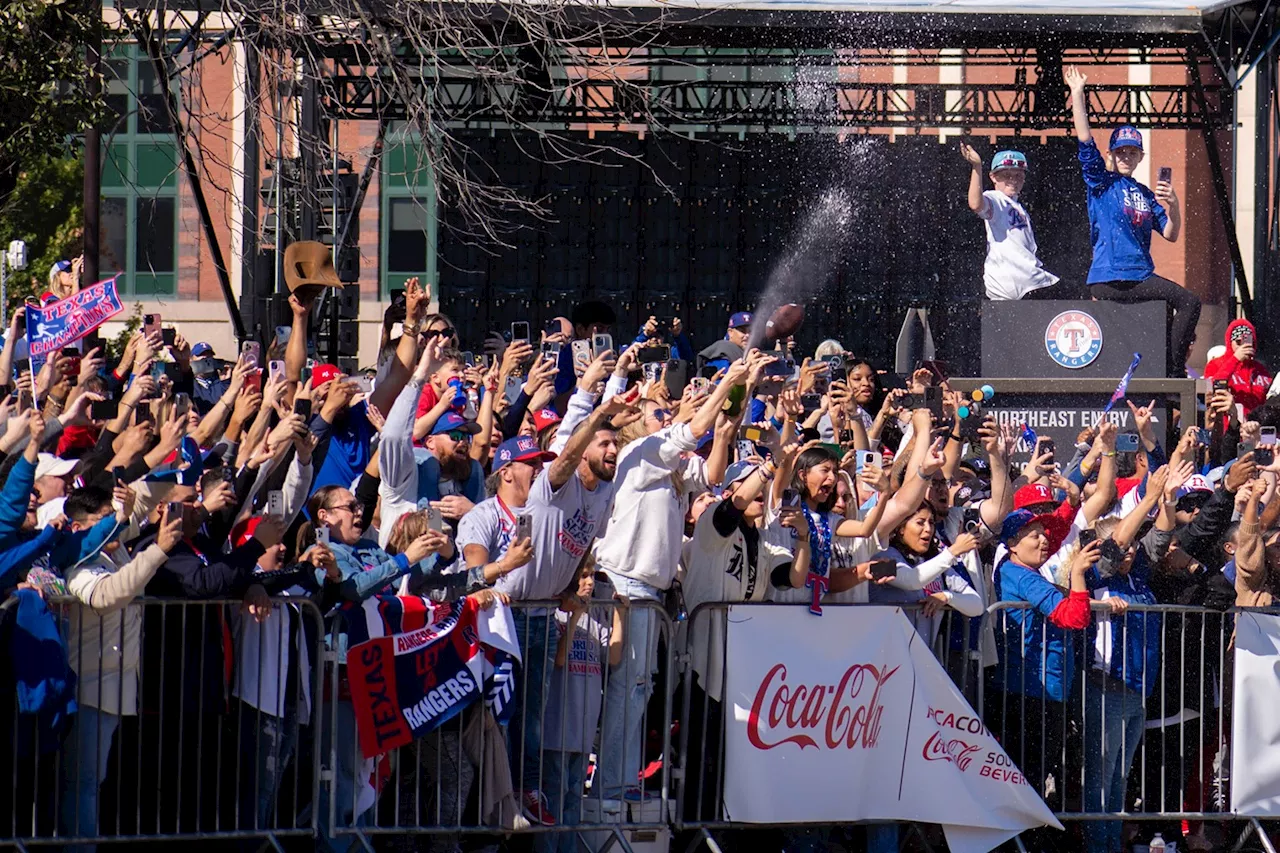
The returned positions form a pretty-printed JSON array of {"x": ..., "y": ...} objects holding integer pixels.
[
  {"x": 1122, "y": 215},
  {"x": 1248, "y": 379}
]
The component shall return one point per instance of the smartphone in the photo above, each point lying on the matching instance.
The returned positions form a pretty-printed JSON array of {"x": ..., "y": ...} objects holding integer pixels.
[
  {"x": 322, "y": 536},
  {"x": 835, "y": 365},
  {"x": 104, "y": 410},
  {"x": 746, "y": 449},
  {"x": 1111, "y": 551},
  {"x": 867, "y": 459},
  {"x": 252, "y": 350},
  {"x": 790, "y": 497},
  {"x": 1166, "y": 174},
  {"x": 1267, "y": 436},
  {"x": 755, "y": 434},
  {"x": 1047, "y": 446},
  {"x": 581, "y": 356},
  {"x": 551, "y": 351},
  {"x": 700, "y": 384},
  {"x": 552, "y": 327},
  {"x": 524, "y": 527},
  {"x": 468, "y": 359},
  {"x": 253, "y": 380},
  {"x": 181, "y": 406},
  {"x": 274, "y": 369},
  {"x": 520, "y": 331},
  {"x": 1221, "y": 385},
  {"x": 275, "y": 503},
  {"x": 601, "y": 343},
  {"x": 1264, "y": 456},
  {"x": 435, "y": 521},
  {"x": 283, "y": 333},
  {"x": 151, "y": 325},
  {"x": 811, "y": 402},
  {"x": 780, "y": 368},
  {"x": 174, "y": 509},
  {"x": 1203, "y": 436},
  {"x": 364, "y": 383},
  {"x": 883, "y": 569},
  {"x": 1127, "y": 442},
  {"x": 302, "y": 407},
  {"x": 1087, "y": 537},
  {"x": 21, "y": 319},
  {"x": 168, "y": 337},
  {"x": 654, "y": 354}
]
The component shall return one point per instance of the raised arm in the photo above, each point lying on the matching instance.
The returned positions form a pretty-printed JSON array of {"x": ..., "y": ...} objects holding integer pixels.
[
  {"x": 1075, "y": 81},
  {"x": 1101, "y": 499},
  {"x": 926, "y": 460},
  {"x": 295, "y": 352},
  {"x": 977, "y": 201}
]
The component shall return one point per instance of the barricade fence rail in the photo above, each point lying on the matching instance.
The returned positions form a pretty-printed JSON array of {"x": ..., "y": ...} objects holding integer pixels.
[{"x": 195, "y": 720}]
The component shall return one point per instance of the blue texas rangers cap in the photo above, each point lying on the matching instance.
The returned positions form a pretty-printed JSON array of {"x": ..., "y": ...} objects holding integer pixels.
[
  {"x": 1008, "y": 160},
  {"x": 1126, "y": 136},
  {"x": 740, "y": 320},
  {"x": 522, "y": 448}
]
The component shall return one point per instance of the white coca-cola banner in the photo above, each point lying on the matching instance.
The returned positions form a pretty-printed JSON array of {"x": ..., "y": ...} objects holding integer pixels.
[
  {"x": 848, "y": 716},
  {"x": 1255, "y": 730}
]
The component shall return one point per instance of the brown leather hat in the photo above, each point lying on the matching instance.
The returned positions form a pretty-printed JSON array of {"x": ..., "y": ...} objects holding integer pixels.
[{"x": 308, "y": 266}]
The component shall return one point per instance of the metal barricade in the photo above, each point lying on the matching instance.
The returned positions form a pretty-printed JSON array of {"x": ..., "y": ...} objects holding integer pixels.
[
  {"x": 1126, "y": 720},
  {"x": 592, "y": 738},
  {"x": 702, "y": 717},
  {"x": 192, "y": 720}
]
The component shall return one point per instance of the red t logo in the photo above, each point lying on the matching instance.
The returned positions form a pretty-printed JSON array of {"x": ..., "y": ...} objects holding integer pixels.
[{"x": 818, "y": 584}]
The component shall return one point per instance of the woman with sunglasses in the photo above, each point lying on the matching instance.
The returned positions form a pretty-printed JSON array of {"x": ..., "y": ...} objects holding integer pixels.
[{"x": 365, "y": 568}]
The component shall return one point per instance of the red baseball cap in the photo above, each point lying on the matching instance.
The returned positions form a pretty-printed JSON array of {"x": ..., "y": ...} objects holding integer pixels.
[
  {"x": 323, "y": 373},
  {"x": 1032, "y": 494},
  {"x": 544, "y": 418}
]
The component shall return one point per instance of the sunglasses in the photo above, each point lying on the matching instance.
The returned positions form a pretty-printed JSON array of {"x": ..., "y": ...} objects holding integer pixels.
[
  {"x": 353, "y": 507},
  {"x": 446, "y": 332},
  {"x": 458, "y": 435}
]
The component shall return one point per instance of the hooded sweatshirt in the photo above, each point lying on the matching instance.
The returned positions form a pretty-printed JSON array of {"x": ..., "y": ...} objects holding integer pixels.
[{"x": 1248, "y": 380}]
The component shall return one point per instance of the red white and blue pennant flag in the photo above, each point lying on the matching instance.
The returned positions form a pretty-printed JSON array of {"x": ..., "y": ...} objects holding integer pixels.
[
  {"x": 414, "y": 664},
  {"x": 1123, "y": 387}
]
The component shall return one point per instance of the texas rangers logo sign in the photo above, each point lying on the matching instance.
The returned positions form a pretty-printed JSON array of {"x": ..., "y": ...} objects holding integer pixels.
[{"x": 1073, "y": 339}]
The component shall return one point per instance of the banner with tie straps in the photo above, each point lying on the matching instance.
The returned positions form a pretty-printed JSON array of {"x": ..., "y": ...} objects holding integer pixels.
[{"x": 858, "y": 701}]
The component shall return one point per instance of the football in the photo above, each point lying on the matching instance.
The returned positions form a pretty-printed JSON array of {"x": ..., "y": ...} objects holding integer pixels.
[{"x": 784, "y": 321}]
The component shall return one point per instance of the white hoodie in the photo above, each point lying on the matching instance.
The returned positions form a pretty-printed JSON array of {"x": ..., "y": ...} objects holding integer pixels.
[{"x": 645, "y": 531}]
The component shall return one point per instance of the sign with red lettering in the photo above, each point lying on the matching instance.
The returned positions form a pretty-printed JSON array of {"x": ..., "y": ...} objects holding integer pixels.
[{"x": 850, "y": 718}]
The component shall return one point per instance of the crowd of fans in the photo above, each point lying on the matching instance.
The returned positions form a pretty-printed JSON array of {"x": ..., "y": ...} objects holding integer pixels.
[{"x": 558, "y": 466}]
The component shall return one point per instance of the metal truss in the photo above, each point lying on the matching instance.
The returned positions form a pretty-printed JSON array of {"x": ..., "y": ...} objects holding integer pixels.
[{"x": 780, "y": 104}]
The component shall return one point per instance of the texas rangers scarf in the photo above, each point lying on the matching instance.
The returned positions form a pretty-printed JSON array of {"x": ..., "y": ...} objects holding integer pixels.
[{"x": 414, "y": 664}]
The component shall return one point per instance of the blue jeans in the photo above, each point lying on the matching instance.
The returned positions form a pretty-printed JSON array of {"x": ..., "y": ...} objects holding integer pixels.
[
  {"x": 84, "y": 766},
  {"x": 1114, "y": 715},
  {"x": 538, "y": 638},
  {"x": 627, "y": 692},
  {"x": 565, "y": 774},
  {"x": 267, "y": 745},
  {"x": 345, "y": 772}
]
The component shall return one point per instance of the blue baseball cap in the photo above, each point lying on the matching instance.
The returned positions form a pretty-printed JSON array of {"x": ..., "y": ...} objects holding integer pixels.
[
  {"x": 1009, "y": 160},
  {"x": 201, "y": 349},
  {"x": 740, "y": 320},
  {"x": 1125, "y": 136},
  {"x": 522, "y": 448},
  {"x": 451, "y": 421}
]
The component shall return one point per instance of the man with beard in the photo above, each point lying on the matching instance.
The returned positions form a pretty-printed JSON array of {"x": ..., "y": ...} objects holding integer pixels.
[
  {"x": 449, "y": 477},
  {"x": 565, "y": 504}
]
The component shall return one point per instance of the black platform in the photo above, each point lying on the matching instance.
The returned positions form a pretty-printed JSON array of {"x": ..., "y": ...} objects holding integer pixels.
[{"x": 1013, "y": 338}]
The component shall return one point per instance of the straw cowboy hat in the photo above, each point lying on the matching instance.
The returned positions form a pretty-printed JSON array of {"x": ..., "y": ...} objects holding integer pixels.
[{"x": 308, "y": 266}]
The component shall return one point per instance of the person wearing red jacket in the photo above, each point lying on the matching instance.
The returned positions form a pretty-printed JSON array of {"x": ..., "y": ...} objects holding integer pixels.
[{"x": 1247, "y": 378}]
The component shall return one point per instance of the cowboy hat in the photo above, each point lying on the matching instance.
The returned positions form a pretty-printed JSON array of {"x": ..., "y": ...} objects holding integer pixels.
[{"x": 308, "y": 266}]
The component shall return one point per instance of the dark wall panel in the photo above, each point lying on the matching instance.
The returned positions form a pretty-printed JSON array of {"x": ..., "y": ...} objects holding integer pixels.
[{"x": 696, "y": 227}]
